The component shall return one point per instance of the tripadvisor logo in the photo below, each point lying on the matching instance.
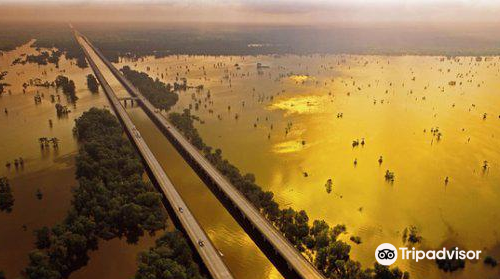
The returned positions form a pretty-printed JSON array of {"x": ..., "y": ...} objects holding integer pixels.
[{"x": 387, "y": 254}]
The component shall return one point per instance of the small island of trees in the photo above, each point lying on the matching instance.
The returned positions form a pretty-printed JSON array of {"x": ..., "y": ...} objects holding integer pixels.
[
  {"x": 450, "y": 264},
  {"x": 6, "y": 197},
  {"x": 92, "y": 83},
  {"x": 67, "y": 86},
  {"x": 2, "y": 84},
  {"x": 158, "y": 93},
  {"x": 489, "y": 260}
]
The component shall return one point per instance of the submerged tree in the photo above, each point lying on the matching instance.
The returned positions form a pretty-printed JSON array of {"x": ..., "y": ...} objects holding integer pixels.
[
  {"x": 92, "y": 83},
  {"x": 329, "y": 185},
  {"x": 411, "y": 235},
  {"x": 6, "y": 197},
  {"x": 67, "y": 86},
  {"x": 450, "y": 264}
]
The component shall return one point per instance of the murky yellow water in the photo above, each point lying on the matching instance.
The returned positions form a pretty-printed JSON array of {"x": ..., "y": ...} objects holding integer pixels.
[
  {"x": 288, "y": 125},
  {"x": 301, "y": 115}
]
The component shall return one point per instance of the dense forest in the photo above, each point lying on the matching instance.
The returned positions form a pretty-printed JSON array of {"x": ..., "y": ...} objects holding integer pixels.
[
  {"x": 11, "y": 37},
  {"x": 61, "y": 37},
  {"x": 47, "y": 35},
  {"x": 158, "y": 93},
  {"x": 170, "y": 258},
  {"x": 320, "y": 241},
  {"x": 141, "y": 39},
  {"x": 111, "y": 200}
]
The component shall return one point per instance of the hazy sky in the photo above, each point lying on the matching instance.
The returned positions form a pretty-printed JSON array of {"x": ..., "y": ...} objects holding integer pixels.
[{"x": 255, "y": 11}]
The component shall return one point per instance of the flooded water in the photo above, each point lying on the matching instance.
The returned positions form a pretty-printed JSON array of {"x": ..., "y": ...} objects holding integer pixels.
[
  {"x": 434, "y": 122},
  {"x": 49, "y": 170},
  {"x": 292, "y": 125}
]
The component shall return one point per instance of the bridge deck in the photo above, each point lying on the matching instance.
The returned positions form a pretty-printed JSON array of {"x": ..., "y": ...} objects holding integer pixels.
[
  {"x": 294, "y": 259},
  {"x": 208, "y": 253}
]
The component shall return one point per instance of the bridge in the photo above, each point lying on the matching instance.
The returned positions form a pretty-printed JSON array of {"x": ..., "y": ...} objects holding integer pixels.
[
  {"x": 206, "y": 250},
  {"x": 130, "y": 98},
  {"x": 290, "y": 262}
]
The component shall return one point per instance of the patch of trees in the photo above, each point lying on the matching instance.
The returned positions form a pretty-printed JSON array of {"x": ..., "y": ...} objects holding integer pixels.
[
  {"x": 157, "y": 92},
  {"x": 355, "y": 239},
  {"x": 411, "y": 235},
  {"x": 111, "y": 200},
  {"x": 2, "y": 84},
  {"x": 489, "y": 260},
  {"x": 17, "y": 61},
  {"x": 6, "y": 197},
  {"x": 61, "y": 110},
  {"x": 67, "y": 86},
  {"x": 45, "y": 58},
  {"x": 319, "y": 242},
  {"x": 92, "y": 83},
  {"x": 170, "y": 258},
  {"x": 450, "y": 264}
]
